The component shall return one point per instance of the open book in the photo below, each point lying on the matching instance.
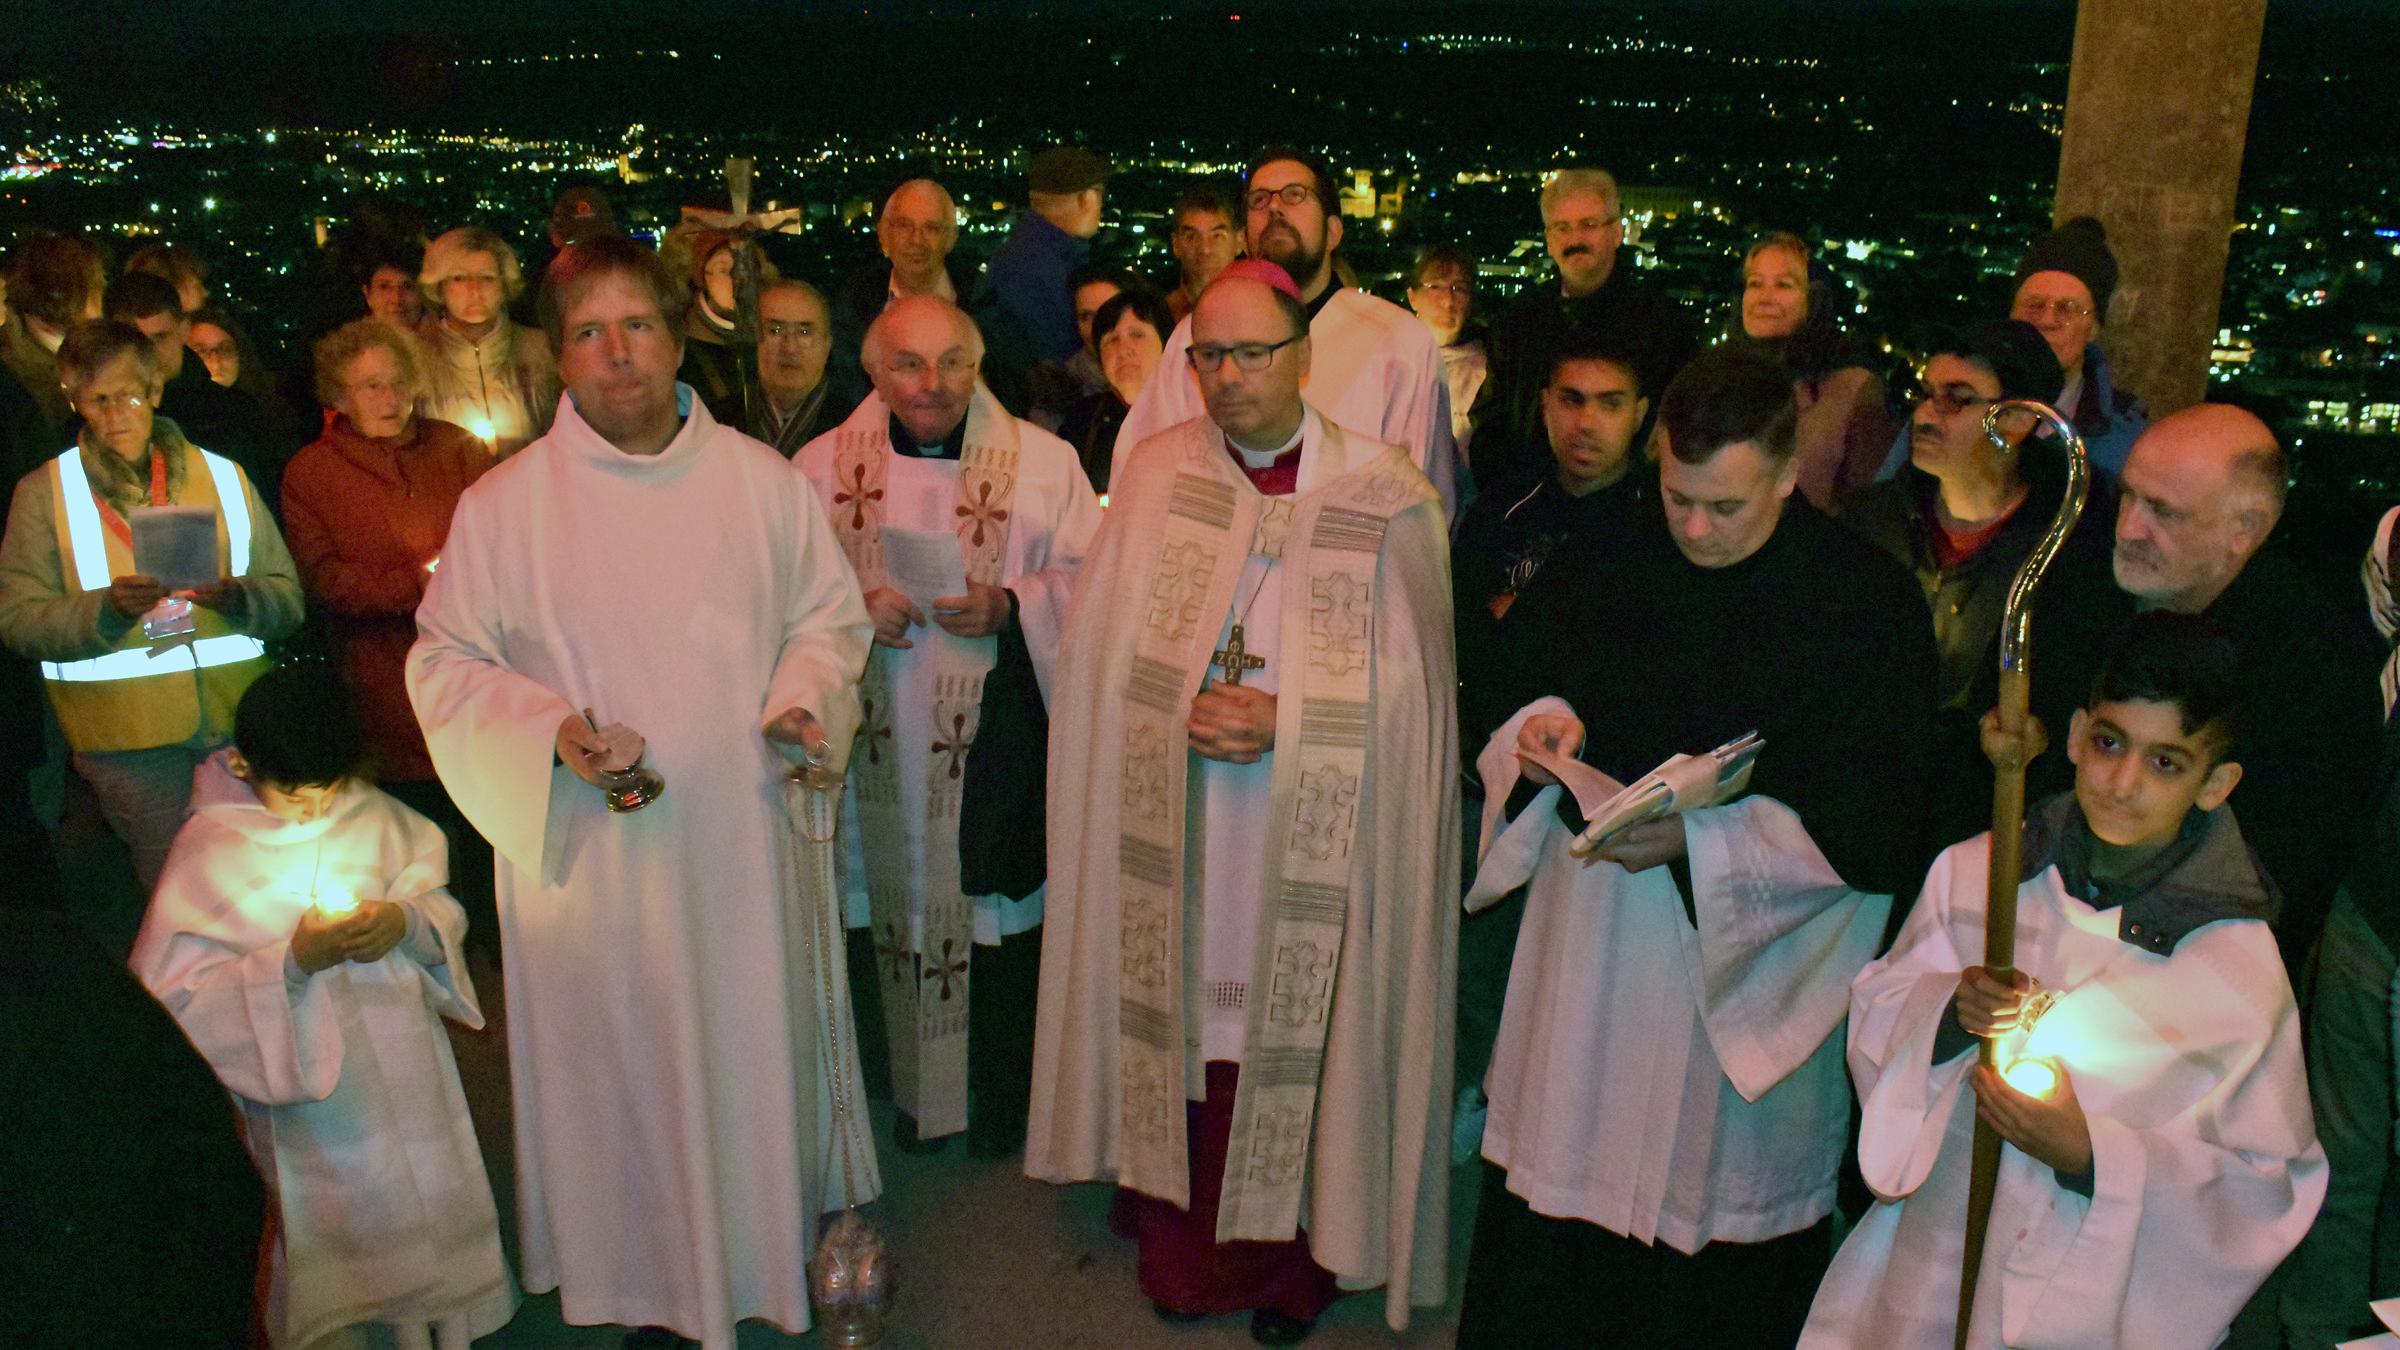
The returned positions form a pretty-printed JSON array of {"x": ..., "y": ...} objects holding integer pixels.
[{"x": 1683, "y": 783}]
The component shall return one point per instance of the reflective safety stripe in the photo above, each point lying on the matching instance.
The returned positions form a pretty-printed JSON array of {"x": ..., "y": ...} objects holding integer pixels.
[
  {"x": 83, "y": 523},
  {"x": 143, "y": 662},
  {"x": 236, "y": 508},
  {"x": 83, "y": 517}
]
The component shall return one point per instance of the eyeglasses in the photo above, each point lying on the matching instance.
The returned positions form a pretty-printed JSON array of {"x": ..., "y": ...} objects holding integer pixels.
[
  {"x": 1290, "y": 194},
  {"x": 1442, "y": 288},
  {"x": 1951, "y": 402},
  {"x": 1250, "y": 356},
  {"x": 910, "y": 366},
  {"x": 100, "y": 405},
  {"x": 2033, "y": 310}
]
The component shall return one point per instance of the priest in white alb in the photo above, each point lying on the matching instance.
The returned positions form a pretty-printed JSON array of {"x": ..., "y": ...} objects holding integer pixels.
[
  {"x": 1249, "y": 959},
  {"x": 676, "y": 1046},
  {"x": 1374, "y": 371},
  {"x": 931, "y": 469}
]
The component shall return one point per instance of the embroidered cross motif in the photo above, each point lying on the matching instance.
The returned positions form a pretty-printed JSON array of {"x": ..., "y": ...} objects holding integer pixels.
[
  {"x": 1303, "y": 984},
  {"x": 856, "y": 496},
  {"x": 1183, "y": 574},
  {"x": 1146, "y": 953},
  {"x": 979, "y": 513},
  {"x": 1326, "y": 812},
  {"x": 1278, "y": 1146},
  {"x": 1145, "y": 1109},
  {"x": 1236, "y": 658},
  {"x": 1337, "y": 623},
  {"x": 876, "y": 729},
  {"x": 1274, "y": 522},
  {"x": 951, "y": 746},
  {"x": 892, "y": 952},
  {"x": 1146, "y": 774},
  {"x": 949, "y": 972}
]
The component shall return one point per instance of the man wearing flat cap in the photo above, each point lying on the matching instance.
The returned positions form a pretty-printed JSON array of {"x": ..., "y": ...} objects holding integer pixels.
[{"x": 1028, "y": 273}]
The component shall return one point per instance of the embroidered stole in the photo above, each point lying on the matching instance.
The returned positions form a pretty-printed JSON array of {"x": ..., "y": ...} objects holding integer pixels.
[
  {"x": 923, "y": 983},
  {"x": 1328, "y": 541}
]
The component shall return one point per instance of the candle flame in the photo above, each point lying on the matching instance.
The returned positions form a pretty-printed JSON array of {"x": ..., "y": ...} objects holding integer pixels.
[
  {"x": 483, "y": 429},
  {"x": 339, "y": 905},
  {"x": 1103, "y": 501},
  {"x": 2036, "y": 1078},
  {"x": 433, "y": 563}
]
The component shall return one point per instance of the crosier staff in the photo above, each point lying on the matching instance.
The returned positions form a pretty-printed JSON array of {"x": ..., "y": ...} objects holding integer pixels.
[{"x": 2008, "y": 800}]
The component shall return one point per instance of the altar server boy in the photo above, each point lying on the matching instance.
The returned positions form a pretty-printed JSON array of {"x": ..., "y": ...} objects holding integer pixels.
[
  {"x": 301, "y": 936},
  {"x": 2160, "y": 1158}
]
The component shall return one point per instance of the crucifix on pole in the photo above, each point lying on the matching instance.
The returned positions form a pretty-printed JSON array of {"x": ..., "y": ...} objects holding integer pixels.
[{"x": 745, "y": 226}]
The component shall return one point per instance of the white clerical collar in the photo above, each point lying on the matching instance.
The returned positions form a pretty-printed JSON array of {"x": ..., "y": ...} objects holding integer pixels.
[{"x": 1265, "y": 459}]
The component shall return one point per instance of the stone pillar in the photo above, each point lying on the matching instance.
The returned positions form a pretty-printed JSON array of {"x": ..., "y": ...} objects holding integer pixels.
[{"x": 2158, "y": 109}]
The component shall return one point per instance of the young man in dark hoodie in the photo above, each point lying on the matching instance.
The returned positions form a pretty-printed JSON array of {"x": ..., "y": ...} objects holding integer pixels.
[{"x": 2159, "y": 1156}]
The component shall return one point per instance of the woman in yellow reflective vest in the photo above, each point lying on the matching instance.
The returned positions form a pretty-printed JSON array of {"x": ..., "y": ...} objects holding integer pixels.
[{"x": 144, "y": 682}]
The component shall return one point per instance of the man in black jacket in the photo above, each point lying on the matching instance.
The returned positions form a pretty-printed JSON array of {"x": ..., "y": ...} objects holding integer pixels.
[
  {"x": 2202, "y": 492},
  {"x": 1583, "y": 225},
  {"x": 211, "y": 416},
  {"x": 1963, "y": 516}
]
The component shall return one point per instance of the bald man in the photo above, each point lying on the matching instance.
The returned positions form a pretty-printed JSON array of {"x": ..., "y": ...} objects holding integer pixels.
[
  {"x": 2200, "y": 497},
  {"x": 1247, "y": 975},
  {"x": 964, "y": 525},
  {"x": 916, "y": 230}
]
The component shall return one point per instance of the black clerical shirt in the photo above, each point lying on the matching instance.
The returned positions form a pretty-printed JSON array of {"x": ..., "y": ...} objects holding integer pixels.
[{"x": 1817, "y": 642}]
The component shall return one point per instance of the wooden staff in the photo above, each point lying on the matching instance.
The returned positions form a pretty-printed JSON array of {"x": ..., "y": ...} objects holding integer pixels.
[{"x": 2008, "y": 800}]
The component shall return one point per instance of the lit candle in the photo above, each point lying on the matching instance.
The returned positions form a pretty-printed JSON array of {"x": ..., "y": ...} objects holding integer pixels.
[
  {"x": 2036, "y": 1078},
  {"x": 483, "y": 430},
  {"x": 433, "y": 564},
  {"x": 1103, "y": 501},
  {"x": 339, "y": 905}
]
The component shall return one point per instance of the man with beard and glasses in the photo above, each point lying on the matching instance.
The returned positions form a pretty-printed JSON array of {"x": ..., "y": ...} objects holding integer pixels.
[
  {"x": 1583, "y": 225},
  {"x": 1374, "y": 370}
]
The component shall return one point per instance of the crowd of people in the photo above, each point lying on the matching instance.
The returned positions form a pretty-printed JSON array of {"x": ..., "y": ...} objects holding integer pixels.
[{"x": 1230, "y": 682}]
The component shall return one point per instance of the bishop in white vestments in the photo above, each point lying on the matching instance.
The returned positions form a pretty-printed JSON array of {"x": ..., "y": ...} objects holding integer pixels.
[
  {"x": 1374, "y": 370},
  {"x": 674, "y": 1055},
  {"x": 931, "y": 469},
  {"x": 1248, "y": 964}
]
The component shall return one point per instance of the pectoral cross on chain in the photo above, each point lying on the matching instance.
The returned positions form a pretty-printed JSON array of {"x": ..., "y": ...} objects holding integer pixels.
[{"x": 1236, "y": 658}]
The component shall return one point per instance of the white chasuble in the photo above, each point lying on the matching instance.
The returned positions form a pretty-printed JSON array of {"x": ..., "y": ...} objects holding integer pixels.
[
  {"x": 1342, "y": 1113},
  {"x": 1022, "y": 513},
  {"x": 1374, "y": 370},
  {"x": 1668, "y": 1081},
  {"x": 349, "y": 1099},
  {"x": 2206, "y": 1171},
  {"x": 672, "y": 1048}
]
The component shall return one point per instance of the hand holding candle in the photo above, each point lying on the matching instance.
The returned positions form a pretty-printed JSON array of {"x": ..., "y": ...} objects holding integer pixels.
[
  {"x": 339, "y": 926},
  {"x": 2051, "y": 1129}
]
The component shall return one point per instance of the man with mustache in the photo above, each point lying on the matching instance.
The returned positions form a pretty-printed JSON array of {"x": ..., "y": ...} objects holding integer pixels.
[
  {"x": 1375, "y": 370},
  {"x": 2201, "y": 494},
  {"x": 1583, "y": 225}
]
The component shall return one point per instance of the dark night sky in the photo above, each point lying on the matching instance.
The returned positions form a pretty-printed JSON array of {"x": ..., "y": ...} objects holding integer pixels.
[{"x": 37, "y": 27}]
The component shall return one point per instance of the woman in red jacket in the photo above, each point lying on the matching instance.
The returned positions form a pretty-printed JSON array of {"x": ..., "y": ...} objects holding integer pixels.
[{"x": 368, "y": 508}]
